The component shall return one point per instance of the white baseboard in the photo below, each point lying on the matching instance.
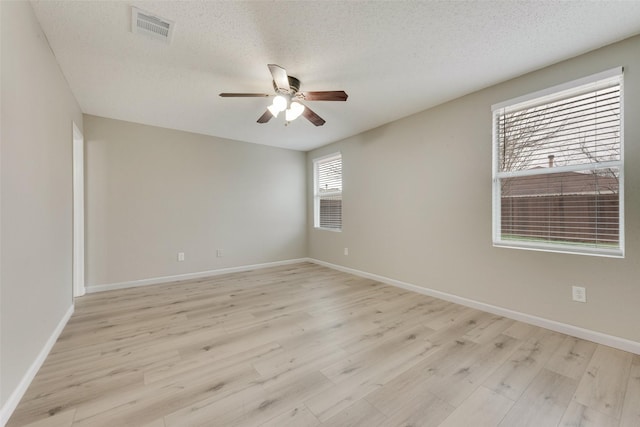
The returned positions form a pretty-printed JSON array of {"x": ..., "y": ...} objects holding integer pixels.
[
  {"x": 188, "y": 276},
  {"x": 11, "y": 403},
  {"x": 576, "y": 331}
]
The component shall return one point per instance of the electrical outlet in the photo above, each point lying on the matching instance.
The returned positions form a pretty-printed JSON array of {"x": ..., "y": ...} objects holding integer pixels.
[
  {"x": 579, "y": 293},
  {"x": 219, "y": 253},
  {"x": 346, "y": 251},
  {"x": 180, "y": 256}
]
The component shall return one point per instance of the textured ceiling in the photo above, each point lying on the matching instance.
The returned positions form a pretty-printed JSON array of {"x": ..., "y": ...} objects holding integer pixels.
[{"x": 392, "y": 58}]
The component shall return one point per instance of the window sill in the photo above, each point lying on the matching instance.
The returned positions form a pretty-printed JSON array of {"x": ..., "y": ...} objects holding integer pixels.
[
  {"x": 564, "y": 249},
  {"x": 335, "y": 230}
]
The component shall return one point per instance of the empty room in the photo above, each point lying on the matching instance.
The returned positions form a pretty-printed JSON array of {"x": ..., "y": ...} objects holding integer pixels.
[{"x": 319, "y": 213}]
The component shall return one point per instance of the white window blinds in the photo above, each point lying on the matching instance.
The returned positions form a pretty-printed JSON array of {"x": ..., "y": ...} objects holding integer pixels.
[
  {"x": 328, "y": 192},
  {"x": 558, "y": 170}
]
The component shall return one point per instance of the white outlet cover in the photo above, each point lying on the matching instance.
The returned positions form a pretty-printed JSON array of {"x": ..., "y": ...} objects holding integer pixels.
[{"x": 579, "y": 293}]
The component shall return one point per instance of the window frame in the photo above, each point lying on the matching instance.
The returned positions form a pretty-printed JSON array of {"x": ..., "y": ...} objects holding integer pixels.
[
  {"x": 316, "y": 194},
  {"x": 550, "y": 95}
]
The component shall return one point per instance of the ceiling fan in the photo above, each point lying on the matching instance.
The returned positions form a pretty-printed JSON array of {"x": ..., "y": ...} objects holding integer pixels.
[{"x": 288, "y": 97}]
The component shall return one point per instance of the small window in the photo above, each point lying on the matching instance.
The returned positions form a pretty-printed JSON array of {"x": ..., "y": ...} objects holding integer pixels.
[
  {"x": 558, "y": 168},
  {"x": 327, "y": 180}
]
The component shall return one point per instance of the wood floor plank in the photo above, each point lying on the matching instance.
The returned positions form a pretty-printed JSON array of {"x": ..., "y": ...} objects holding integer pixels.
[
  {"x": 415, "y": 338},
  {"x": 452, "y": 315},
  {"x": 36, "y": 406},
  {"x": 427, "y": 412},
  {"x": 360, "y": 414},
  {"x": 398, "y": 394},
  {"x": 311, "y": 357},
  {"x": 572, "y": 357},
  {"x": 304, "y": 345},
  {"x": 412, "y": 408},
  {"x": 513, "y": 377},
  {"x": 603, "y": 386},
  {"x": 631, "y": 409},
  {"x": 457, "y": 326},
  {"x": 283, "y": 397},
  {"x": 367, "y": 371},
  {"x": 484, "y": 408},
  {"x": 457, "y": 385},
  {"x": 543, "y": 403},
  {"x": 578, "y": 415},
  {"x": 61, "y": 419},
  {"x": 488, "y": 330},
  {"x": 224, "y": 410},
  {"x": 230, "y": 344},
  {"x": 418, "y": 380},
  {"x": 184, "y": 366},
  {"x": 300, "y": 416},
  {"x": 142, "y": 404},
  {"x": 521, "y": 331}
]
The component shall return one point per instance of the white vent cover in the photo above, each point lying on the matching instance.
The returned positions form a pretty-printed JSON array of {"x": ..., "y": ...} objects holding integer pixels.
[{"x": 152, "y": 25}]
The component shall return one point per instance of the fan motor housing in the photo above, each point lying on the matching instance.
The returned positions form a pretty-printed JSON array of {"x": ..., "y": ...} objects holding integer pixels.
[{"x": 294, "y": 84}]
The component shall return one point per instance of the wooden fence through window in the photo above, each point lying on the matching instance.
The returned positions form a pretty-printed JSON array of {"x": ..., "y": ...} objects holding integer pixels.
[{"x": 581, "y": 218}]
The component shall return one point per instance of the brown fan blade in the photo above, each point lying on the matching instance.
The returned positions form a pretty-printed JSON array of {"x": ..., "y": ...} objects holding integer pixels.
[
  {"x": 312, "y": 117},
  {"x": 244, "y": 95},
  {"x": 279, "y": 75},
  {"x": 330, "y": 95},
  {"x": 265, "y": 117}
]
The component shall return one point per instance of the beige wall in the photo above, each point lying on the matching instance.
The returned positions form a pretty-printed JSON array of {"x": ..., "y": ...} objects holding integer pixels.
[
  {"x": 154, "y": 192},
  {"x": 417, "y": 208},
  {"x": 36, "y": 199}
]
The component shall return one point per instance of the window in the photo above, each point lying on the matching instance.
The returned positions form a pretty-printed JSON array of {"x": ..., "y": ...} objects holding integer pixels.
[
  {"x": 327, "y": 180},
  {"x": 558, "y": 168}
]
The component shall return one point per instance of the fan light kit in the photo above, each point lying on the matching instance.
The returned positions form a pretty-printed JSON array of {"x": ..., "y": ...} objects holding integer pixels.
[
  {"x": 288, "y": 98},
  {"x": 280, "y": 104}
]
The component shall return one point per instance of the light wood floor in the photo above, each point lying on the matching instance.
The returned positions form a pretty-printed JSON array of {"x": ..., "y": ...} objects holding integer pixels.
[{"x": 304, "y": 345}]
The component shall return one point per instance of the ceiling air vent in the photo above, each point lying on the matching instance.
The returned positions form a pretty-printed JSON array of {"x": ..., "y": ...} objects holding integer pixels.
[{"x": 152, "y": 25}]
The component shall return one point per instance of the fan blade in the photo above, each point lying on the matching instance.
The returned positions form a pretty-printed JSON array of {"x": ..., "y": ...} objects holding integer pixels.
[
  {"x": 265, "y": 117},
  {"x": 312, "y": 117},
  {"x": 330, "y": 95},
  {"x": 279, "y": 75},
  {"x": 244, "y": 95}
]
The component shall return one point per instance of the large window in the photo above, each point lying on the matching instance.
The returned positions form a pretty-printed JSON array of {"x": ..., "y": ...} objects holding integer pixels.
[
  {"x": 558, "y": 168},
  {"x": 327, "y": 172}
]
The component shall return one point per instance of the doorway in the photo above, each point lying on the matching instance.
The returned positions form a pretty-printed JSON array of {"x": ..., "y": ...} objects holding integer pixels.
[{"x": 78, "y": 212}]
